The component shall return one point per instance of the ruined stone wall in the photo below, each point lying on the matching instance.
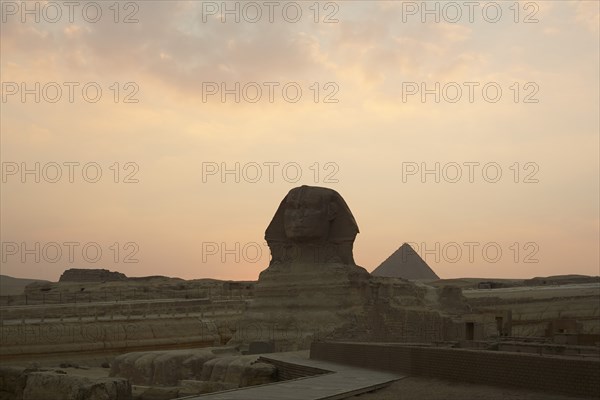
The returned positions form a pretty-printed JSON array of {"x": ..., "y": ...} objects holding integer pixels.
[
  {"x": 413, "y": 326},
  {"x": 533, "y": 312},
  {"x": 116, "y": 327},
  {"x": 29, "y": 340},
  {"x": 569, "y": 375},
  {"x": 126, "y": 309}
]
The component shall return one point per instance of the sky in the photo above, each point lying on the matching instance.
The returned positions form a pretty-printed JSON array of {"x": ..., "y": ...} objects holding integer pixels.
[{"x": 159, "y": 137}]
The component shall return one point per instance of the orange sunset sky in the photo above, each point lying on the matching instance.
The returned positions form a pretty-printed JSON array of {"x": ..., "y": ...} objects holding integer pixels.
[{"x": 498, "y": 103}]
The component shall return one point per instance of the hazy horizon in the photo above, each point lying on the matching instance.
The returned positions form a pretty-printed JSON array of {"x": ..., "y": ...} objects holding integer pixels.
[{"x": 370, "y": 269}]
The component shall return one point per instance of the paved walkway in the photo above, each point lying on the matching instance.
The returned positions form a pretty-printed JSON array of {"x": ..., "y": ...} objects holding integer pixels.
[{"x": 343, "y": 382}]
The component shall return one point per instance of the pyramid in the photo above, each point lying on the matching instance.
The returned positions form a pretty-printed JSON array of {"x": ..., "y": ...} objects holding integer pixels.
[{"x": 405, "y": 263}]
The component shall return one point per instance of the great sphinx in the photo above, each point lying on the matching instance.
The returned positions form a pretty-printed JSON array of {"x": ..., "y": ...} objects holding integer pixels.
[{"x": 312, "y": 285}]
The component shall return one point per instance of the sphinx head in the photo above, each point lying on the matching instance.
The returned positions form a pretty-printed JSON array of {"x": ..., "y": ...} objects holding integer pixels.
[
  {"x": 308, "y": 214},
  {"x": 315, "y": 216}
]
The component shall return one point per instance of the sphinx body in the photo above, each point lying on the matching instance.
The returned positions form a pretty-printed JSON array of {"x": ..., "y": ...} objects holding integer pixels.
[{"x": 312, "y": 285}]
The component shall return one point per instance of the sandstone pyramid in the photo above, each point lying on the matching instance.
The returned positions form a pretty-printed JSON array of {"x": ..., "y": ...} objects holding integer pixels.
[{"x": 405, "y": 263}]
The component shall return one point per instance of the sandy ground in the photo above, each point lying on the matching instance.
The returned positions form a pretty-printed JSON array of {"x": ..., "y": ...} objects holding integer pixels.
[{"x": 413, "y": 388}]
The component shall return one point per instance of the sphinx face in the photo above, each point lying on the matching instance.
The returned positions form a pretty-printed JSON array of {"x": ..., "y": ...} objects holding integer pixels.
[{"x": 306, "y": 216}]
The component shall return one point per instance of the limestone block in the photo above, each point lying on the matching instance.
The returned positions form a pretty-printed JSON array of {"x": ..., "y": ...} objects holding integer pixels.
[{"x": 51, "y": 385}]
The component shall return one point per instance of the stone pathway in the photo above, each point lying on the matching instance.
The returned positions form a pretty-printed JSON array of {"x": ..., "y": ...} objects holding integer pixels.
[{"x": 343, "y": 382}]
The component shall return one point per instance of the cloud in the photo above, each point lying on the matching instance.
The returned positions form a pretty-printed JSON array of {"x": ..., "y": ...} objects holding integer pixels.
[
  {"x": 588, "y": 14},
  {"x": 369, "y": 53}
]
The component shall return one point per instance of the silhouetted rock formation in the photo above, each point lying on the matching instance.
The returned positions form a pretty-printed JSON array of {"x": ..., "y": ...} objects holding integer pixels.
[
  {"x": 405, "y": 263},
  {"x": 91, "y": 275}
]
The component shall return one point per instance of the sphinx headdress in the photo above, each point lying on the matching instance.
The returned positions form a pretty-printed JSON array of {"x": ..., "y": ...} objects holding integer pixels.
[{"x": 336, "y": 242}]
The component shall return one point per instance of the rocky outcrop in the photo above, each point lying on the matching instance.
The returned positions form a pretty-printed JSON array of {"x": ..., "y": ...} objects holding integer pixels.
[
  {"x": 51, "y": 385},
  {"x": 192, "y": 371},
  {"x": 161, "y": 367},
  {"x": 12, "y": 382},
  {"x": 91, "y": 275},
  {"x": 35, "y": 384}
]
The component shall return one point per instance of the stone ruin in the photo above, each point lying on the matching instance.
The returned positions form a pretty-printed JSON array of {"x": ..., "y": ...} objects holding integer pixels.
[{"x": 91, "y": 275}]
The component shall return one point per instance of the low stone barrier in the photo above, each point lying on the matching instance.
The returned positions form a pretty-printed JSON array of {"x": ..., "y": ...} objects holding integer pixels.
[{"x": 568, "y": 375}]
